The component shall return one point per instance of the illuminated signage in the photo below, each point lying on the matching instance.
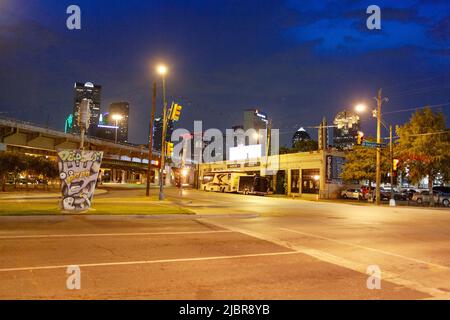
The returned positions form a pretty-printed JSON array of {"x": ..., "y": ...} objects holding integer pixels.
[{"x": 245, "y": 152}]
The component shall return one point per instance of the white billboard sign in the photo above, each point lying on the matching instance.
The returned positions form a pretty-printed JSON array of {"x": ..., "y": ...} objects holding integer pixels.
[{"x": 246, "y": 152}]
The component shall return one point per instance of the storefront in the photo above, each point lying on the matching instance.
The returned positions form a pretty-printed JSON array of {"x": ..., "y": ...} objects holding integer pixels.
[{"x": 310, "y": 175}]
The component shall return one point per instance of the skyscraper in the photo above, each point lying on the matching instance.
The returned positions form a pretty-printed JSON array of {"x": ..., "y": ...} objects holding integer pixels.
[
  {"x": 122, "y": 109},
  {"x": 300, "y": 135},
  {"x": 106, "y": 129},
  {"x": 255, "y": 119},
  {"x": 157, "y": 132},
  {"x": 91, "y": 92},
  {"x": 346, "y": 131}
]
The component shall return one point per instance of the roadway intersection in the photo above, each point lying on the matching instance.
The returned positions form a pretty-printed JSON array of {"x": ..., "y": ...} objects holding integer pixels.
[{"x": 236, "y": 247}]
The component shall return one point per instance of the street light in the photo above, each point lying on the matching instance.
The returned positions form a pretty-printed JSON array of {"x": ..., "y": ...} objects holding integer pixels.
[
  {"x": 377, "y": 114},
  {"x": 162, "y": 71},
  {"x": 360, "y": 108},
  {"x": 116, "y": 117}
]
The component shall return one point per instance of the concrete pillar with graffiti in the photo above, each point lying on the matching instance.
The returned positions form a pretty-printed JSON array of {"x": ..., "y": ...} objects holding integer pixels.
[{"x": 78, "y": 170}]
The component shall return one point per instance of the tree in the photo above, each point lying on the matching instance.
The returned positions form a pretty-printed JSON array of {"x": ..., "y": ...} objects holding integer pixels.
[
  {"x": 300, "y": 146},
  {"x": 41, "y": 166},
  {"x": 360, "y": 163},
  {"x": 424, "y": 147},
  {"x": 10, "y": 163},
  {"x": 305, "y": 146}
]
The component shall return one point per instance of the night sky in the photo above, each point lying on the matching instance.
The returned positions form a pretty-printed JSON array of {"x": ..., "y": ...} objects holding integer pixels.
[{"x": 296, "y": 60}]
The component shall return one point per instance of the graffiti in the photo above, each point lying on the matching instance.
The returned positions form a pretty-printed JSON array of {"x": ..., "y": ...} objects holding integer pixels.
[{"x": 78, "y": 171}]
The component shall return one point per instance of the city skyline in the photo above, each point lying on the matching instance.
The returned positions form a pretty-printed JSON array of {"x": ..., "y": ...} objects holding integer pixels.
[
  {"x": 311, "y": 52},
  {"x": 224, "y": 156}
]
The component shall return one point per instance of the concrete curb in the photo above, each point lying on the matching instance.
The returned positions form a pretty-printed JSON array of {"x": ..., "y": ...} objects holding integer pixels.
[
  {"x": 43, "y": 196},
  {"x": 135, "y": 216}
]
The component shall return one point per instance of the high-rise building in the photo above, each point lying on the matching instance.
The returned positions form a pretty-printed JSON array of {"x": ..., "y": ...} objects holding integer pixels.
[
  {"x": 121, "y": 109},
  {"x": 345, "y": 133},
  {"x": 300, "y": 135},
  {"x": 255, "y": 119},
  {"x": 93, "y": 93},
  {"x": 157, "y": 132},
  {"x": 105, "y": 129}
]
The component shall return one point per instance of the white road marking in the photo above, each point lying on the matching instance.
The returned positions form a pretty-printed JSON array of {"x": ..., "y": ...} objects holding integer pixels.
[
  {"x": 339, "y": 261},
  {"x": 124, "y": 263},
  {"x": 110, "y": 234},
  {"x": 368, "y": 248}
]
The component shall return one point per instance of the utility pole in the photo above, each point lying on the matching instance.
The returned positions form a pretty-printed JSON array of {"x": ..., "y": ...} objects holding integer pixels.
[
  {"x": 84, "y": 115},
  {"x": 378, "y": 174},
  {"x": 150, "y": 140},
  {"x": 163, "y": 142},
  {"x": 267, "y": 148}
]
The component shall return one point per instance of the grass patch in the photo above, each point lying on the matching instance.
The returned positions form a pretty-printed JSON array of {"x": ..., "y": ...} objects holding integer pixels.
[{"x": 100, "y": 207}]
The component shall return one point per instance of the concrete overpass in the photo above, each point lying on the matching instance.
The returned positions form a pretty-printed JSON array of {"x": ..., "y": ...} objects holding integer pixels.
[{"x": 124, "y": 161}]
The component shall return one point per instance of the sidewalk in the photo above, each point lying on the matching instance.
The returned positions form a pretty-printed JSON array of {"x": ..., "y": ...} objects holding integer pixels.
[{"x": 399, "y": 203}]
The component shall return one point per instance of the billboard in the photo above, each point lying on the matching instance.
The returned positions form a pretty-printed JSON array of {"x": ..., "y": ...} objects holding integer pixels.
[
  {"x": 78, "y": 170},
  {"x": 246, "y": 152}
]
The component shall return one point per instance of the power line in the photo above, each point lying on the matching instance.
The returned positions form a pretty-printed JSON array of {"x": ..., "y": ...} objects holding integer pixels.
[
  {"x": 412, "y": 91},
  {"x": 415, "y": 108},
  {"x": 414, "y": 81},
  {"x": 429, "y": 133}
]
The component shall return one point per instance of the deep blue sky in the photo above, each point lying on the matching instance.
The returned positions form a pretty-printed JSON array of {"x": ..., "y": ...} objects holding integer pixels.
[{"x": 296, "y": 60}]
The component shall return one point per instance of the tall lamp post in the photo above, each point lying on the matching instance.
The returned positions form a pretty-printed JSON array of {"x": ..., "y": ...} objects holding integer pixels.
[
  {"x": 377, "y": 114},
  {"x": 150, "y": 140},
  {"x": 116, "y": 118},
  {"x": 162, "y": 71}
]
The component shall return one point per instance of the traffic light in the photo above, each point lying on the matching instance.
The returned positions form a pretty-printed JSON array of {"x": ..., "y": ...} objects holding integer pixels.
[
  {"x": 395, "y": 164},
  {"x": 169, "y": 149},
  {"x": 360, "y": 138},
  {"x": 175, "y": 112}
]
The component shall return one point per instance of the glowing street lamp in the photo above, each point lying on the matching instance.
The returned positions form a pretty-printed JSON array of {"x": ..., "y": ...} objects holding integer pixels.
[
  {"x": 116, "y": 117},
  {"x": 377, "y": 114},
  {"x": 360, "y": 108},
  {"x": 162, "y": 71}
]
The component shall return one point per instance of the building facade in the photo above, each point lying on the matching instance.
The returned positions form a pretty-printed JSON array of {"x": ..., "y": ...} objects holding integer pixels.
[
  {"x": 255, "y": 119},
  {"x": 93, "y": 93},
  {"x": 157, "y": 132},
  {"x": 299, "y": 136},
  {"x": 345, "y": 133},
  {"x": 123, "y": 110},
  {"x": 310, "y": 175}
]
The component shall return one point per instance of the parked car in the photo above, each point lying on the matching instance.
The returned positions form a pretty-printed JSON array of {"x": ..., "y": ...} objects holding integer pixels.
[
  {"x": 442, "y": 189},
  {"x": 408, "y": 192},
  {"x": 439, "y": 198},
  {"x": 365, "y": 192},
  {"x": 385, "y": 195},
  {"x": 351, "y": 194}
]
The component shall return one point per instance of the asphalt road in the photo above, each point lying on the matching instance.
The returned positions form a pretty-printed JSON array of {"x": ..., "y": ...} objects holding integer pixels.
[{"x": 238, "y": 247}]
